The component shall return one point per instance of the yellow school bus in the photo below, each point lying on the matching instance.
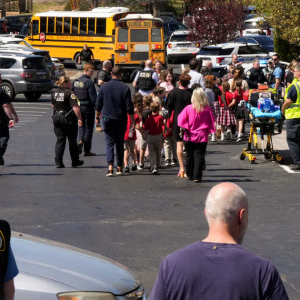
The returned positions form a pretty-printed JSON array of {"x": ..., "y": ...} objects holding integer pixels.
[
  {"x": 64, "y": 33},
  {"x": 139, "y": 37}
]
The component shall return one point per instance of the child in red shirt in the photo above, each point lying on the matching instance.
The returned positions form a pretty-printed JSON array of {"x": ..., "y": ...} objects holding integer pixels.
[
  {"x": 170, "y": 144},
  {"x": 226, "y": 117},
  {"x": 154, "y": 127}
]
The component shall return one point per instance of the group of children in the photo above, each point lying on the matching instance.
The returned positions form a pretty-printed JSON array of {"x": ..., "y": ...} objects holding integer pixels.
[{"x": 152, "y": 132}]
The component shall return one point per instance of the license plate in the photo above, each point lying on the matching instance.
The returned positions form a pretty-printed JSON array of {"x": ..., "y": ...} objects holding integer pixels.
[
  {"x": 42, "y": 76},
  {"x": 184, "y": 49},
  {"x": 122, "y": 54}
]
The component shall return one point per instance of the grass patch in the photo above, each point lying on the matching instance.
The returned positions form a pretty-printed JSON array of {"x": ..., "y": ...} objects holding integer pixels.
[{"x": 43, "y": 7}]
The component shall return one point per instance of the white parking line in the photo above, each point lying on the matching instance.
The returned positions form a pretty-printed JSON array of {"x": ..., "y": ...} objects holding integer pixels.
[
  {"x": 25, "y": 121},
  {"x": 35, "y": 103},
  {"x": 31, "y": 107},
  {"x": 30, "y": 115},
  {"x": 32, "y": 111},
  {"x": 286, "y": 168}
]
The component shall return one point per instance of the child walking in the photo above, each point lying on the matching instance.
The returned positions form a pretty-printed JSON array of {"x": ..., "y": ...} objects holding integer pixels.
[
  {"x": 154, "y": 128},
  {"x": 170, "y": 145}
]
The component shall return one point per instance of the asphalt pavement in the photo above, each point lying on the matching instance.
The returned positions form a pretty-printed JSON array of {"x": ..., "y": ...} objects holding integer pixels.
[{"x": 137, "y": 219}]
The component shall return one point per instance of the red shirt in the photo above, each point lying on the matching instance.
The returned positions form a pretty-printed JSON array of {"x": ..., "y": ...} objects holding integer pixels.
[
  {"x": 228, "y": 98},
  {"x": 170, "y": 125},
  {"x": 129, "y": 122},
  {"x": 237, "y": 97},
  {"x": 154, "y": 124}
]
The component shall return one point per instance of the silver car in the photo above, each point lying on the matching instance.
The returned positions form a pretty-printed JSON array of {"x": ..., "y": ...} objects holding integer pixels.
[{"x": 55, "y": 271}]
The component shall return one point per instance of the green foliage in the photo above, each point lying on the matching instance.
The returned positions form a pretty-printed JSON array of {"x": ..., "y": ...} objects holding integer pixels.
[{"x": 286, "y": 50}]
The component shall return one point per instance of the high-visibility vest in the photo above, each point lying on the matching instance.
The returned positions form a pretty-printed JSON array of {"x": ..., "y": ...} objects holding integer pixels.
[
  {"x": 288, "y": 88},
  {"x": 293, "y": 112}
]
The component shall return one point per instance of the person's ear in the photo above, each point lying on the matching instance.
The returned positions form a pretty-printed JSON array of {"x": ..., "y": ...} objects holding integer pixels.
[
  {"x": 205, "y": 213},
  {"x": 242, "y": 215}
]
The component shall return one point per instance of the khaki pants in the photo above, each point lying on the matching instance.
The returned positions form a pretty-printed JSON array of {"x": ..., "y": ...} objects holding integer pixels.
[
  {"x": 170, "y": 146},
  {"x": 154, "y": 146}
]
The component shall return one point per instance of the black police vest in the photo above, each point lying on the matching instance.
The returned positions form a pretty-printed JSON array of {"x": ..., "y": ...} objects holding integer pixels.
[
  {"x": 81, "y": 90},
  {"x": 4, "y": 250},
  {"x": 145, "y": 81}
]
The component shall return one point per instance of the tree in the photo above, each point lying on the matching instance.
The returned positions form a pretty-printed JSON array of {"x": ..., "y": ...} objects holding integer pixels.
[
  {"x": 215, "y": 21},
  {"x": 284, "y": 16}
]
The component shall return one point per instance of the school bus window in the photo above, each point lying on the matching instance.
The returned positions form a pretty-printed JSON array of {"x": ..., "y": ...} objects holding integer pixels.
[
  {"x": 92, "y": 26},
  {"x": 83, "y": 23},
  {"x": 156, "y": 35},
  {"x": 139, "y": 35},
  {"x": 123, "y": 35},
  {"x": 43, "y": 24},
  {"x": 51, "y": 23},
  {"x": 74, "y": 25},
  {"x": 101, "y": 26},
  {"x": 58, "y": 25},
  {"x": 35, "y": 27},
  {"x": 67, "y": 22}
]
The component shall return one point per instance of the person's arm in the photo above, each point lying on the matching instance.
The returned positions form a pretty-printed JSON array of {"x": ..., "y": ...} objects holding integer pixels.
[
  {"x": 9, "y": 290},
  {"x": 155, "y": 78},
  {"x": 9, "y": 114},
  {"x": 92, "y": 56},
  {"x": 129, "y": 104},
  {"x": 223, "y": 100},
  {"x": 290, "y": 99},
  {"x": 78, "y": 114},
  {"x": 252, "y": 84},
  {"x": 92, "y": 91},
  {"x": 232, "y": 103},
  {"x": 134, "y": 84},
  {"x": 79, "y": 58},
  {"x": 98, "y": 107},
  {"x": 101, "y": 78},
  {"x": 16, "y": 118},
  {"x": 286, "y": 105}
]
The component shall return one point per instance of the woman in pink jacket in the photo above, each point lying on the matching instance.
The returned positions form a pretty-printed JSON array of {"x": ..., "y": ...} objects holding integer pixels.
[{"x": 198, "y": 122}]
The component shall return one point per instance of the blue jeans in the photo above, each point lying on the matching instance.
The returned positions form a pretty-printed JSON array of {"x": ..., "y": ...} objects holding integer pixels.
[{"x": 114, "y": 131}]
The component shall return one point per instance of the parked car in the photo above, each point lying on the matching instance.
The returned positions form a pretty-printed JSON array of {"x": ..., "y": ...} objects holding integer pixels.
[
  {"x": 263, "y": 64},
  {"x": 24, "y": 74},
  {"x": 51, "y": 271},
  {"x": 170, "y": 26},
  {"x": 264, "y": 41},
  {"x": 166, "y": 15},
  {"x": 58, "y": 67},
  {"x": 252, "y": 26},
  {"x": 179, "y": 47},
  {"x": 24, "y": 49},
  {"x": 8, "y": 39},
  {"x": 219, "y": 71},
  {"x": 221, "y": 54}
]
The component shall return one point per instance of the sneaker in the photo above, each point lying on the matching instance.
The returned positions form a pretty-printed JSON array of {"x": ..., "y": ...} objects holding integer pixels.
[
  {"x": 173, "y": 162},
  {"x": 167, "y": 163},
  {"x": 134, "y": 167},
  {"x": 239, "y": 139},
  {"x": 295, "y": 167},
  {"x": 77, "y": 163},
  {"x": 110, "y": 173},
  {"x": 140, "y": 166},
  {"x": 154, "y": 172},
  {"x": 213, "y": 137},
  {"x": 80, "y": 146},
  {"x": 222, "y": 136},
  {"x": 59, "y": 165},
  {"x": 89, "y": 154},
  {"x": 228, "y": 135},
  {"x": 119, "y": 171},
  {"x": 126, "y": 169}
]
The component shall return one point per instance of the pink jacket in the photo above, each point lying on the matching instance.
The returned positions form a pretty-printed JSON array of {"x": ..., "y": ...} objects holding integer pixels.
[{"x": 198, "y": 125}]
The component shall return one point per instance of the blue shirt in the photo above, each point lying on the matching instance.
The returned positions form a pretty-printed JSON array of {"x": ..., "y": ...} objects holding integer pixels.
[
  {"x": 292, "y": 94},
  {"x": 278, "y": 75},
  {"x": 210, "y": 271},
  {"x": 12, "y": 269}
]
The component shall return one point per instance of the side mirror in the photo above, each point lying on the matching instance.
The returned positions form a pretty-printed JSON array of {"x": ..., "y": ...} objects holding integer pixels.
[{"x": 114, "y": 32}]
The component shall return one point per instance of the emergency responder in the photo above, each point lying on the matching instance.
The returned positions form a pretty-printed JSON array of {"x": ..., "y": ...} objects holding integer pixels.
[
  {"x": 66, "y": 118},
  {"x": 255, "y": 75},
  {"x": 234, "y": 61},
  {"x": 104, "y": 75},
  {"x": 277, "y": 76},
  {"x": 291, "y": 109},
  {"x": 86, "y": 56},
  {"x": 146, "y": 80},
  {"x": 8, "y": 267},
  {"x": 8, "y": 117},
  {"x": 85, "y": 91}
]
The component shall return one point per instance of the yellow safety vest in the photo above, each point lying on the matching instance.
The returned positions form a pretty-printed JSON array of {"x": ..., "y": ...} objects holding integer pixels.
[
  {"x": 288, "y": 88},
  {"x": 293, "y": 112}
]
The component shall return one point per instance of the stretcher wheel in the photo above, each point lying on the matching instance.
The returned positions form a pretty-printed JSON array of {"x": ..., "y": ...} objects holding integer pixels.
[
  {"x": 242, "y": 156},
  {"x": 268, "y": 155},
  {"x": 252, "y": 162}
]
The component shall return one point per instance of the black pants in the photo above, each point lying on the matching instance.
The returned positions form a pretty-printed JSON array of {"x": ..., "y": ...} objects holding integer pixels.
[
  {"x": 114, "y": 131},
  {"x": 4, "y": 137},
  {"x": 293, "y": 138},
  {"x": 62, "y": 132},
  {"x": 86, "y": 130},
  {"x": 195, "y": 153}
]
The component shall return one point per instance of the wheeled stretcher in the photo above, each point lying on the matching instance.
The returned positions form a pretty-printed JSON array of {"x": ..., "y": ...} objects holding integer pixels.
[{"x": 263, "y": 125}]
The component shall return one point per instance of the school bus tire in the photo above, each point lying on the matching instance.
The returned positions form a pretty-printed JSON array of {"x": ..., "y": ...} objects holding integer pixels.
[{"x": 77, "y": 65}]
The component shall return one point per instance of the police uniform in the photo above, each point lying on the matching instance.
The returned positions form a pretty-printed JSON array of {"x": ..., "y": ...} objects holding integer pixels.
[
  {"x": 65, "y": 124},
  {"x": 146, "y": 81},
  {"x": 254, "y": 77},
  {"x": 85, "y": 91},
  {"x": 86, "y": 56},
  {"x": 104, "y": 76}
]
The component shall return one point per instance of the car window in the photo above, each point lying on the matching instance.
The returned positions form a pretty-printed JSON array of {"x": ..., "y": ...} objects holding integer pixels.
[
  {"x": 178, "y": 38},
  {"x": 6, "y": 63},
  {"x": 177, "y": 26},
  {"x": 34, "y": 63},
  {"x": 226, "y": 51},
  {"x": 209, "y": 51},
  {"x": 253, "y": 49}
]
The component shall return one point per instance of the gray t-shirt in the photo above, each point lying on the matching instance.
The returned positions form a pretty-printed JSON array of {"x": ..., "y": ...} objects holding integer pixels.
[{"x": 212, "y": 271}]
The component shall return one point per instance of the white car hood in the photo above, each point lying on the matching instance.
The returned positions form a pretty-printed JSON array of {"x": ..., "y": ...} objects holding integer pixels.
[{"x": 71, "y": 266}]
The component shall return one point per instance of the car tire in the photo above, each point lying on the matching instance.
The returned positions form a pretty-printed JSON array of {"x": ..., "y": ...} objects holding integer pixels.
[
  {"x": 77, "y": 65},
  {"x": 33, "y": 96},
  {"x": 9, "y": 90}
]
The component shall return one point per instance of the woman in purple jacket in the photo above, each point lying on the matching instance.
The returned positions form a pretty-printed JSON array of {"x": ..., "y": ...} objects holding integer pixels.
[{"x": 198, "y": 122}]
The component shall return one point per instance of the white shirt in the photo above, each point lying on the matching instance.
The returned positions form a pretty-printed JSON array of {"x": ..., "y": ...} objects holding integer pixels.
[
  {"x": 154, "y": 77},
  {"x": 197, "y": 78}
]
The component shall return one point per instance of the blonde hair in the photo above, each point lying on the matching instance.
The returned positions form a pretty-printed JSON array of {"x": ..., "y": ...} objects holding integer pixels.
[
  {"x": 62, "y": 81},
  {"x": 157, "y": 99},
  {"x": 155, "y": 107},
  {"x": 292, "y": 65},
  {"x": 199, "y": 100}
]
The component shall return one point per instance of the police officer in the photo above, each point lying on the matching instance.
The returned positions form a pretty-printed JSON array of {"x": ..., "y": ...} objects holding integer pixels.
[
  {"x": 8, "y": 267},
  {"x": 85, "y": 91},
  {"x": 291, "y": 109},
  {"x": 86, "y": 56},
  {"x": 146, "y": 80},
  {"x": 66, "y": 118},
  {"x": 255, "y": 76},
  {"x": 104, "y": 75},
  {"x": 277, "y": 76}
]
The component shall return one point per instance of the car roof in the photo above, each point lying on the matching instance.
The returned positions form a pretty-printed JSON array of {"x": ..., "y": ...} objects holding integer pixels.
[
  {"x": 228, "y": 45},
  {"x": 180, "y": 32},
  {"x": 3, "y": 54},
  {"x": 10, "y": 39},
  {"x": 23, "y": 49},
  {"x": 255, "y": 19}
]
